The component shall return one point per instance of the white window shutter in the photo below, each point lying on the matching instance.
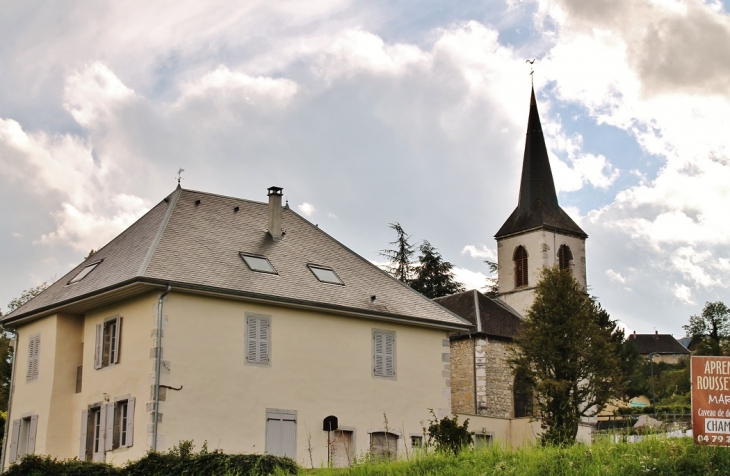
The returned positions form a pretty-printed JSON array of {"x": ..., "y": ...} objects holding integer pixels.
[
  {"x": 118, "y": 332},
  {"x": 84, "y": 429},
  {"x": 36, "y": 357},
  {"x": 31, "y": 434},
  {"x": 99, "y": 456},
  {"x": 14, "y": 441},
  {"x": 31, "y": 355},
  {"x": 99, "y": 349},
  {"x": 252, "y": 344},
  {"x": 130, "y": 422},
  {"x": 109, "y": 431},
  {"x": 388, "y": 357},
  {"x": 379, "y": 355},
  {"x": 263, "y": 340}
]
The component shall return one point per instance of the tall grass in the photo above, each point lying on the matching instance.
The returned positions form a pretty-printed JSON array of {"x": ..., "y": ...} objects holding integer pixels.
[{"x": 658, "y": 456}]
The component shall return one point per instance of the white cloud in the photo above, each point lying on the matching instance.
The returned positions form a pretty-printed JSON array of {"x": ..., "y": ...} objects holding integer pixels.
[
  {"x": 683, "y": 293},
  {"x": 92, "y": 93},
  {"x": 223, "y": 84},
  {"x": 470, "y": 279},
  {"x": 307, "y": 209},
  {"x": 331, "y": 215},
  {"x": 480, "y": 252},
  {"x": 615, "y": 277}
]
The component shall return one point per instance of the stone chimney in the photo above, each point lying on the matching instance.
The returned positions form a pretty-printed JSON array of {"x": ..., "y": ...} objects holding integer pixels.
[{"x": 275, "y": 194}]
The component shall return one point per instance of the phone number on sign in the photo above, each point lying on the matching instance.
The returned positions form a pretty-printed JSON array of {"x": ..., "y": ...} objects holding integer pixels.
[{"x": 717, "y": 439}]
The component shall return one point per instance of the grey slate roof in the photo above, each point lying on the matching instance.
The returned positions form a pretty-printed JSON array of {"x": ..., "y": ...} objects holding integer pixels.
[
  {"x": 657, "y": 343},
  {"x": 487, "y": 316},
  {"x": 538, "y": 203},
  {"x": 196, "y": 246}
]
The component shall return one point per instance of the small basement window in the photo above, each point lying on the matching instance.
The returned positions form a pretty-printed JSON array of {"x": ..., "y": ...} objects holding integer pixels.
[
  {"x": 258, "y": 263},
  {"x": 325, "y": 274},
  {"x": 84, "y": 272}
]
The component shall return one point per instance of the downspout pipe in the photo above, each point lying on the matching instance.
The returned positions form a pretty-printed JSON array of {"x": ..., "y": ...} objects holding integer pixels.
[
  {"x": 10, "y": 399},
  {"x": 158, "y": 367}
]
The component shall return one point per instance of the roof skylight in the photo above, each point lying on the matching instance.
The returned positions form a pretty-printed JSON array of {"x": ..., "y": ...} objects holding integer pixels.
[
  {"x": 325, "y": 274},
  {"x": 258, "y": 263},
  {"x": 83, "y": 273}
]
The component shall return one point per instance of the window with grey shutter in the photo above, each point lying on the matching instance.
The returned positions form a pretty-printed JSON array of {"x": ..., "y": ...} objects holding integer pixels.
[
  {"x": 281, "y": 432},
  {"x": 31, "y": 434},
  {"x": 258, "y": 339},
  {"x": 14, "y": 438},
  {"x": 84, "y": 441},
  {"x": 34, "y": 349},
  {"x": 383, "y": 354}
]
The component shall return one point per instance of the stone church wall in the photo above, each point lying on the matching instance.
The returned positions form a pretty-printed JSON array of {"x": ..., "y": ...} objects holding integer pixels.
[
  {"x": 494, "y": 379},
  {"x": 462, "y": 376}
]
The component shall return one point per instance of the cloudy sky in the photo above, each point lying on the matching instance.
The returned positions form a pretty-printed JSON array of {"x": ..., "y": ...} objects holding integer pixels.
[{"x": 374, "y": 112}]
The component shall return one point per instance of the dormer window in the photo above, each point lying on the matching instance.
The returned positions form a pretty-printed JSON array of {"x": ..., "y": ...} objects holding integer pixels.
[
  {"x": 84, "y": 272},
  {"x": 325, "y": 274},
  {"x": 520, "y": 259},
  {"x": 564, "y": 257},
  {"x": 258, "y": 263}
]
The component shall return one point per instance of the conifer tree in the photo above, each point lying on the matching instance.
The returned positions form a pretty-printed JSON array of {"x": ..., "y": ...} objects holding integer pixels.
[
  {"x": 572, "y": 353},
  {"x": 434, "y": 277},
  {"x": 401, "y": 258}
]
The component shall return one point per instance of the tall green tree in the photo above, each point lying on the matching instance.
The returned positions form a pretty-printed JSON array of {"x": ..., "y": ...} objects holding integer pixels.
[
  {"x": 434, "y": 277},
  {"x": 710, "y": 331},
  {"x": 572, "y": 353},
  {"x": 492, "y": 286},
  {"x": 401, "y": 257},
  {"x": 6, "y": 351}
]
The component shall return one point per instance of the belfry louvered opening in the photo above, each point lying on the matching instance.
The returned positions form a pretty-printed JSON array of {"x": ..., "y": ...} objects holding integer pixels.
[
  {"x": 520, "y": 259},
  {"x": 564, "y": 257}
]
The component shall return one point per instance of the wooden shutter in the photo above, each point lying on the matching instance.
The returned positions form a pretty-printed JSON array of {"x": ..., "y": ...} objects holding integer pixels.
[
  {"x": 84, "y": 442},
  {"x": 389, "y": 354},
  {"x": 252, "y": 345},
  {"x": 263, "y": 331},
  {"x": 34, "y": 349},
  {"x": 130, "y": 422},
  {"x": 109, "y": 430},
  {"x": 31, "y": 434},
  {"x": 383, "y": 353},
  {"x": 379, "y": 354},
  {"x": 99, "y": 455},
  {"x": 14, "y": 441},
  {"x": 117, "y": 336},
  {"x": 281, "y": 434},
  {"x": 99, "y": 349}
]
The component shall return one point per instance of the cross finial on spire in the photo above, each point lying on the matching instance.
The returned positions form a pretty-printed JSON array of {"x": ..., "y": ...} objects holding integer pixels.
[
  {"x": 179, "y": 175},
  {"x": 532, "y": 70}
]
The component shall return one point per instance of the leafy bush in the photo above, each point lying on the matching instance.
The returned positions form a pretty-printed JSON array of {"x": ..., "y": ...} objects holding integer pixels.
[
  {"x": 447, "y": 435},
  {"x": 35, "y": 465},
  {"x": 179, "y": 460}
]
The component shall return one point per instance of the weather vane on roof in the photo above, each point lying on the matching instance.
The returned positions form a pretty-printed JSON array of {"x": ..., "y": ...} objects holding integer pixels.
[
  {"x": 532, "y": 70},
  {"x": 179, "y": 175}
]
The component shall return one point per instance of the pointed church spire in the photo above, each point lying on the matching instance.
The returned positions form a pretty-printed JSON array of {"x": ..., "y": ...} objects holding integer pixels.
[{"x": 538, "y": 202}]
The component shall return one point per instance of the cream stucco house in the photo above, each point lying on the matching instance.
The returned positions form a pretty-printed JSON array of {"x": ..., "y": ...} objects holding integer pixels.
[{"x": 229, "y": 321}]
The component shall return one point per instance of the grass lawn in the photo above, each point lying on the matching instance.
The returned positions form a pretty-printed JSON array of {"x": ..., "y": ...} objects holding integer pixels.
[{"x": 660, "y": 456}]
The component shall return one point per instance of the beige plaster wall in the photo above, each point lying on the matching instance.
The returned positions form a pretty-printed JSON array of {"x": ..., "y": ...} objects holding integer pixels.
[
  {"x": 542, "y": 251},
  {"x": 34, "y": 397},
  {"x": 321, "y": 364},
  {"x": 462, "y": 376}
]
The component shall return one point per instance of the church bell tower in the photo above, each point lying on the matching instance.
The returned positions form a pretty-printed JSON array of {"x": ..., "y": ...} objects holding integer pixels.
[{"x": 538, "y": 233}]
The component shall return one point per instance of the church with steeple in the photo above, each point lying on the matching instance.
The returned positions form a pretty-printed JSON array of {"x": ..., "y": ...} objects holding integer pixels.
[{"x": 538, "y": 233}]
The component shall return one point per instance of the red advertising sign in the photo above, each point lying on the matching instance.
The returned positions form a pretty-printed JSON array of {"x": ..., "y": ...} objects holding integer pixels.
[{"x": 711, "y": 400}]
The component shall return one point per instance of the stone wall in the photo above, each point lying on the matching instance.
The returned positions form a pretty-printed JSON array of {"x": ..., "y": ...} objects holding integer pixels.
[
  {"x": 462, "y": 376},
  {"x": 493, "y": 379}
]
